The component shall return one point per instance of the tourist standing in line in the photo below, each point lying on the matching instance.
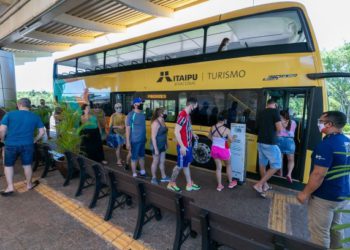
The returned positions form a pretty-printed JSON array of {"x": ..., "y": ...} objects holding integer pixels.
[
  {"x": 117, "y": 130},
  {"x": 136, "y": 136},
  {"x": 268, "y": 125},
  {"x": 325, "y": 195},
  {"x": 91, "y": 143},
  {"x": 220, "y": 151},
  {"x": 184, "y": 134},
  {"x": 159, "y": 144},
  {"x": 17, "y": 131},
  {"x": 285, "y": 141}
]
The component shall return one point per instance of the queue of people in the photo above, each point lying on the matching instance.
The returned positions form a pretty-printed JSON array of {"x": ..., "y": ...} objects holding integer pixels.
[{"x": 275, "y": 130}]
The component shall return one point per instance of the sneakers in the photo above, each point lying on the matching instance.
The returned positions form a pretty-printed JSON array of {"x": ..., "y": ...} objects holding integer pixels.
[
  {"x": 193, "y": 187},
  {"x": 165, "y": 179},
  {"x": 220, "y": 188},
  {"x": 143, "y": 174},
  {"x": 232, "y": 184},
  {"x": 154, "y": 181},
  {"x": 173, "y": 188}
]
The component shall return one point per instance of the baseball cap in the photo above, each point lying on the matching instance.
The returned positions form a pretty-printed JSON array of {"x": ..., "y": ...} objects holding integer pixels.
[{"x": 137, "y": 100}]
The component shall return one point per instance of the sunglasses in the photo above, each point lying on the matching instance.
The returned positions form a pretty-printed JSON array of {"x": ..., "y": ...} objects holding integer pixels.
[{"x": 319, "y": 121}]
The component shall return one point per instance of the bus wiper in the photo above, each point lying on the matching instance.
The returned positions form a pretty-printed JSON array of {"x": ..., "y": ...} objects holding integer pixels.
[{"x": 315, "y": 76}]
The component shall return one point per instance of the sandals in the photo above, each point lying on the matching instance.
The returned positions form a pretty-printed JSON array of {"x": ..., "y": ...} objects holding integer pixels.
[
  {"x": 261, "y": 193},
  {"x": 220, "y": 188},
  {"x": 289, "y": 179},
  {"x": 7, "y": 194},
  {"x": 34, "y": 184}
]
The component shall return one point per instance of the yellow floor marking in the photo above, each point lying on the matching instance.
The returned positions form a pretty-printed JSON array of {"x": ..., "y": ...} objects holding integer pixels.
[
  {"x": 278, "y": 213},
  {"x": 111, "y": 233}
]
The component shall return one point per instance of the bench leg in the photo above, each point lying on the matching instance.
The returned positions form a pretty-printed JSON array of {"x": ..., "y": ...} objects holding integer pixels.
[
  {"x": 207, "y": 243},
  {"x": 82, "y": 180},
  {"x": 98, "y": 187},
  {"x": 141, "y": 212},
  {"x": 69, "y": 175},
  {"x": 112, "y": 197},
  {"x": 49, "y": 163},
  {"x": 70, "y": 168},
  {"x": 181, "y": 224}
]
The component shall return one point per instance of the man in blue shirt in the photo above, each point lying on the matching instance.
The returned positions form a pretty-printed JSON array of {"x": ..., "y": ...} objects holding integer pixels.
[
  {"x": 17, "y": 128},
  {"x": 136, "y": 136},
  {"x": 326, "y": 196}
]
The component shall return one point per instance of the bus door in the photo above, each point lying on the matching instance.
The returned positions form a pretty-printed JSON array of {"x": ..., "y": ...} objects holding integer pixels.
[{"x": 297, "y": 102}]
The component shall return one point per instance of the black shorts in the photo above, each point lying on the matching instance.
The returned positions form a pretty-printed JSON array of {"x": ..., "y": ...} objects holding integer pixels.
[{"x": 47, "y": 125}]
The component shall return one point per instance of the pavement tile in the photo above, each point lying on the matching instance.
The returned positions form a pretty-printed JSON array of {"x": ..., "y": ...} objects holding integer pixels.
[
  {"x": 122, "y": 241},
  {"x": 135, "y": 245}
]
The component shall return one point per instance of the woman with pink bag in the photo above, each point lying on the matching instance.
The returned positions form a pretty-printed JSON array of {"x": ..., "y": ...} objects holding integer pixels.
[{"x": 221, "y": 135}]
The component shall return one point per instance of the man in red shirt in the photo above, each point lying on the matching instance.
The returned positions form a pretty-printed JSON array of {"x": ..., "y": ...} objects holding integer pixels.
[{"x": 184, "y": 135}]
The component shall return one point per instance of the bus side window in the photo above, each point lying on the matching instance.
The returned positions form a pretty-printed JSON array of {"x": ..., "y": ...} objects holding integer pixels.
[{"x": 241, "y": 107}]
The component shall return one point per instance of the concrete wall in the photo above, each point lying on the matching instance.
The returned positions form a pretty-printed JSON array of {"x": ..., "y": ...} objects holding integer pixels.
[{"x": 7, "y": 79}]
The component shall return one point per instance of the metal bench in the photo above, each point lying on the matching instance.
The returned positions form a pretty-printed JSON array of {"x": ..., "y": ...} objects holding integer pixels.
[
  {"x": 217, "y": 230},
  {"x": 152, "y": 199},
  {"x": 122, "y": 190},
  {"x": 49, "y": 162},
  {"x": 86, "y": 174}
]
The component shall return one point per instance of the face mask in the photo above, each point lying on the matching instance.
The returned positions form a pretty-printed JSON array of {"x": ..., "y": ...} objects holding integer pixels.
[
  {"x": 140, "y": 107},
  {"x": 165, "y": 116},
  {"x": 321, "y": 127},
  {"x": 117, "y": 109}
]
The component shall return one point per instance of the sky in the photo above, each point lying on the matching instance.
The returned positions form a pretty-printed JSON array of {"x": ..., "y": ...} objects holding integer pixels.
[{"x": 328, "y": 18}]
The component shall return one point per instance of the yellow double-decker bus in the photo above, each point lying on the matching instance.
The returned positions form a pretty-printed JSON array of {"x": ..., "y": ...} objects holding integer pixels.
[{"x": 234, "y": 62}]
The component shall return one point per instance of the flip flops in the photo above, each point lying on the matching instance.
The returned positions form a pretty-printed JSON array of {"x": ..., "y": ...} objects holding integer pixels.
[
  {"x": 7, "y": 194},
  {"x": 261, "y": 193},
  {"x": 289, "y": 179},
  {"x": 34, "y": 184}
]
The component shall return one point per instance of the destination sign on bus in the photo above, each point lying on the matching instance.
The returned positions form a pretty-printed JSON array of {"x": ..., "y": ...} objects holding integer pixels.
[{"x": 156, "y": 96}]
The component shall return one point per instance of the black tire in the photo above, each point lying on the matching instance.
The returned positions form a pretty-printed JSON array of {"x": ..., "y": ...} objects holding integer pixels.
[{"x": 201, "y": 155}]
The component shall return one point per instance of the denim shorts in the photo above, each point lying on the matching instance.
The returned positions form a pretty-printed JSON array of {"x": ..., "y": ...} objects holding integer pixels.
[
  {"x": 184, "y": 161},
  {"x": 270, "y": 154},
  {"x": 12, "y": 152},
  {"x": 286, "y": 145},
  {"x": 137, "y": 150}
]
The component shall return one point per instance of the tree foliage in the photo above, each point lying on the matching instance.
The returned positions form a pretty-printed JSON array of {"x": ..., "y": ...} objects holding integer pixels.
[
  {"x": 35, "y": 97},
  {"x": 338, "y": 60}
]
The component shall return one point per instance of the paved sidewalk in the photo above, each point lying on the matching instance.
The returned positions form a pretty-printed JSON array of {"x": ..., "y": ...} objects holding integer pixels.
[
  {"x": 30, "y": 221},
  {"x": 33, "y": 220}
]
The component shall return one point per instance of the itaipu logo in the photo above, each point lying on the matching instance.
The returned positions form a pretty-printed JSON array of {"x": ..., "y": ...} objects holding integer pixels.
[
  {"x": 185, "y": 78},
  {"x": 164, "y": 75}
]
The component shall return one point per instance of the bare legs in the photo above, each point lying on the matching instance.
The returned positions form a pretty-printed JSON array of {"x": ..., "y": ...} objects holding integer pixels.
[
  {"x": 28, "y": 172},
  {"x": 142, "y": 166},
  {"x": 158, "y": 159},
  {"x": 265, "y": 176},
  {"x": 117, "y": 153},
  {"x": 218, "y": 171},
  {"x": 290, "y": 165},
  {"x": 9, "y": 172},
  {"x": 176, "y": 172}
]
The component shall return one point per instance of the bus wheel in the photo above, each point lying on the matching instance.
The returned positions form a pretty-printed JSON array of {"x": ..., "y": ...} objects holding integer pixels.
[{"x": 201, "y": 155}]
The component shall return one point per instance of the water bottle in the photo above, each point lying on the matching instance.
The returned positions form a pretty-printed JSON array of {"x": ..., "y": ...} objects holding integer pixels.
[
  {"x": 181, "y": 160},
  {"x": 195, "y": 145}
]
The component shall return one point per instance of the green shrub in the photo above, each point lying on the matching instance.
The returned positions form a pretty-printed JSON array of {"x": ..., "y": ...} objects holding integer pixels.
[
  {"x": 346, "y": 129},
  {"x": 68, "y": 130}
]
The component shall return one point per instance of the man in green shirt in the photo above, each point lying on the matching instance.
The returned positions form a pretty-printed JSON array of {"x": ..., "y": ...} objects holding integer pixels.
[{"x": 45, "y": 113}]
